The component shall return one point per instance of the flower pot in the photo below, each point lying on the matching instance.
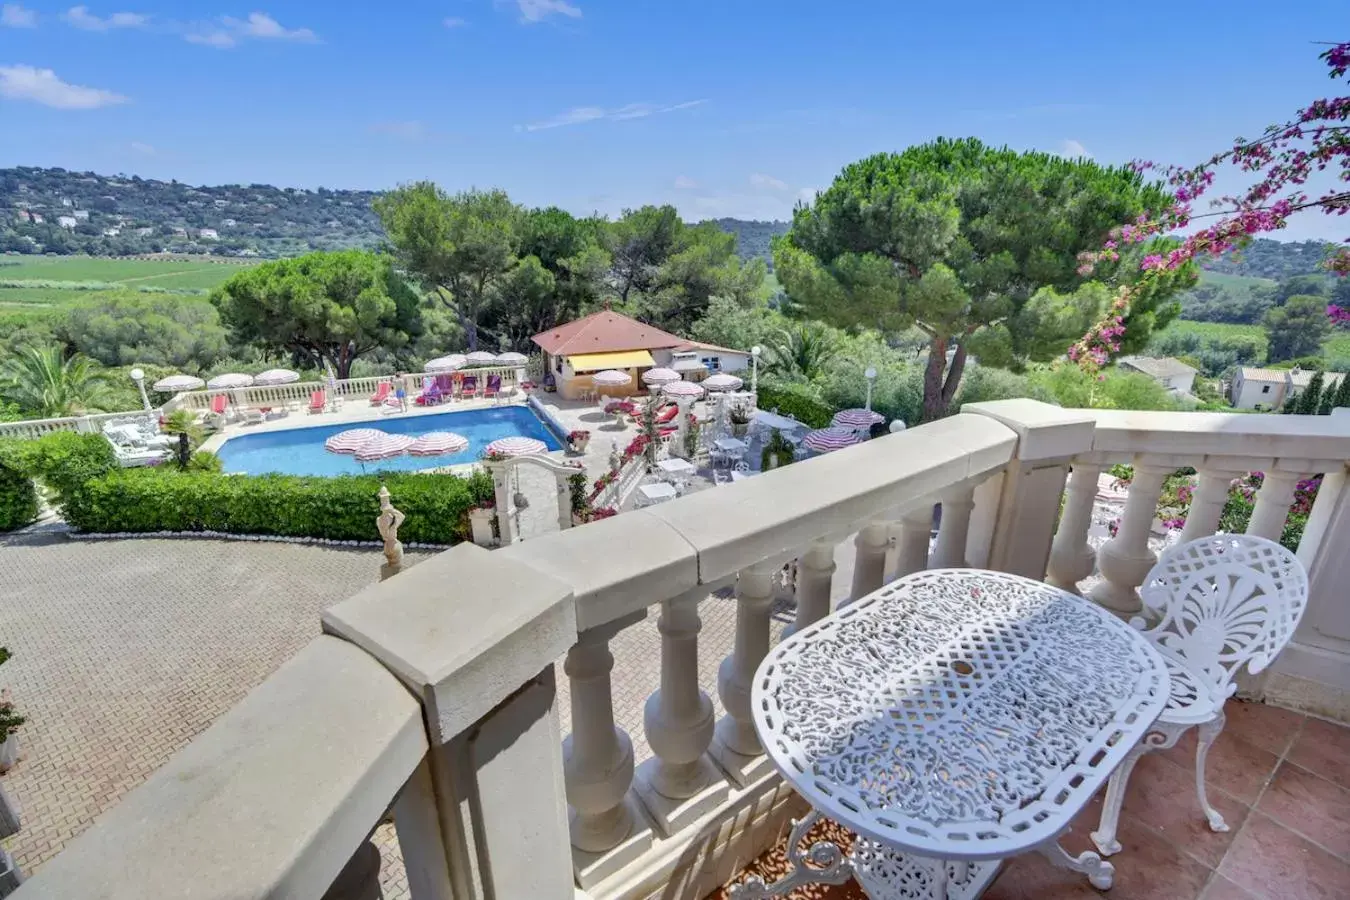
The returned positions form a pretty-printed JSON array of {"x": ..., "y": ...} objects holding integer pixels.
[
  {"x": 578, "y": 445},
  {"x": 9, "y": 752},
  {"x": 739, "y": 429}
]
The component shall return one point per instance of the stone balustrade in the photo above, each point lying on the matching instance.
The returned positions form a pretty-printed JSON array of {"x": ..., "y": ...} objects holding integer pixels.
[{"x": 488, "y": 797}]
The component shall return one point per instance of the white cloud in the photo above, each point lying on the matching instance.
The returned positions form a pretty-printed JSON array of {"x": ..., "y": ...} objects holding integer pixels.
[
  {"x": 454, "y": 22},
  {"x": 767, "y": 182},
  {"x": 539, "y": 10},
  {"x": 807, "y": 194},
  {"x": 142, "y": 148},
  {"x": 12, "y": 15},
  {"x": 42, "y": 86},
  {"x": 408, "y": 131},
  {"x": 1073, "y": 149},
  {"x": 228, "y": 31},
  {"x": 581, "y": 114},
  {"x": 685, "y": 183},
  {"x": 80, "y": 17}
]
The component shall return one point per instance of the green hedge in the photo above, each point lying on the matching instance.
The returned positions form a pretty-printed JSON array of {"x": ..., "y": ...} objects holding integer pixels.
[
  {"x": 18, "y": 498},
  {"x": 341, "y": 508},
  {"x": 797, "y": 403},
  {"x": 64, "y": 461}
]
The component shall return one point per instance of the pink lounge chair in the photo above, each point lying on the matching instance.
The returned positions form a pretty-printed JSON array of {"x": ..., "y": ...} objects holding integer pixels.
[
  {"x": 469, "y": 387},
  {"x": 318, "y": 401},
  {"x": 381, "y": 393},
  {"x": 219, "y": 403},
  {"x": 493, "y": 388}
]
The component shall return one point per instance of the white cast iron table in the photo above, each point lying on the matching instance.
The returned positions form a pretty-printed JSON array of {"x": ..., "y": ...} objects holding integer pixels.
[{"x": 952, "y": 719}]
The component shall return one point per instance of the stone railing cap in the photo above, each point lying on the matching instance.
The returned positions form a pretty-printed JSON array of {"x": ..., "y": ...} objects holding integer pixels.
[{"x": 1043, "y": 431}]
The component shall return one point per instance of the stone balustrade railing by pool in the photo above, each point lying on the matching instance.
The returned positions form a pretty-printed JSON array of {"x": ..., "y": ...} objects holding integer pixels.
[{"x": 431, "y": 696}]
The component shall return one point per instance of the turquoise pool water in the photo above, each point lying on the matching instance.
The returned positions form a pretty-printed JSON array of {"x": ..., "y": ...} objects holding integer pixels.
[{"x": 299, "y": 451}]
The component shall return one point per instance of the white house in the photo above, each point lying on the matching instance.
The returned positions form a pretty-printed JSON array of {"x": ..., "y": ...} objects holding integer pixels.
[
  {"x": 145, "y": 231},
  {"x": 82, "y": 215},
  {"x": 208, "y": 234},
  {"x": 1169, "y": 372},
  {"x": 114, "y": 231},
  {"x": 67, "y": 222},
  {"x": 1255, "y": 388}
]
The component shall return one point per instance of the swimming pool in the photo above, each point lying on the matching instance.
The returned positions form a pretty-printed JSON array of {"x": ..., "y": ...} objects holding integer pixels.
[{"x": 299, "y": 451}]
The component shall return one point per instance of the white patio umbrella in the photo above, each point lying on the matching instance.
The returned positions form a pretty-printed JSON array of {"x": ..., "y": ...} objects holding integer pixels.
[
  {"x": 517, "y": 446},
  {"x": 512, "y": 359},
  {"x": 230, "y": 380},
  {"x": 384, "y": 447},
  {"x": 611, "y": 378},
  {"x": 276, "y": 376},
  {"x": 175, "y": 383},
  {"x": 443, "y": 364},
  {"x": 352, "y": 439},
  {"x": 722, "y": 382},
  {"x": 437, "y": 443},
  {"x": 856, "y": 418},
  {"x": 682, "y": 389},
  {"x": 659, "y": 376},
  {"x": 823, "y": 440},
  {"x": 481, "y": 358}
]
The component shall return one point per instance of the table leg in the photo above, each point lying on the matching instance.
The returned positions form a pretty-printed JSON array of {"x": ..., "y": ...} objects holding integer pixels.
[
  {"x": 821, "y": 863},
  {"x": 1099, "y": 872}
]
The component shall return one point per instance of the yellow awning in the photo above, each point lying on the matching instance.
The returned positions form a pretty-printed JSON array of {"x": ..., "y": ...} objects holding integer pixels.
[{"x": 624, "y": 359}]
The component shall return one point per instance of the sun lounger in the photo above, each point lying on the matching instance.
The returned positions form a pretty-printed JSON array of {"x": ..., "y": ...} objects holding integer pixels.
[
  {"x": 381, "y": 393},
  {"x": 493, "y": 388},
  {"x": 317, "y": 401},
  {"x": 469, "y": 386},
  {"x": 253, "y": 417}
]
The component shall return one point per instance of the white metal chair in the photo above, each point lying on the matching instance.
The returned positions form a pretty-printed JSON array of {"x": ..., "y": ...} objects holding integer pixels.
[{"x": 1215, "y": 604}]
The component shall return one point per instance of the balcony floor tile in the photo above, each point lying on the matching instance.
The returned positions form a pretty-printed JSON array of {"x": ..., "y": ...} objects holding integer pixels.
[{"x": 1323, "y": 748}]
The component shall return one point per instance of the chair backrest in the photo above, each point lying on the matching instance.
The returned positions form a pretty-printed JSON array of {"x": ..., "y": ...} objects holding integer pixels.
[
  {"x": 218, "y": 403},
  {"x": 494, "y": 383},
  {"x": 1223, "y": 601}
]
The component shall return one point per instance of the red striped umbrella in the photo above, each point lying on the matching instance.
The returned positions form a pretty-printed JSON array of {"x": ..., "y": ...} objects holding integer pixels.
[
  {"x": 660, "y": 376},
  {"x": 351, "y": 440},
  {"x": 823, "y": 440},
  {"x": 384, "y": 447},
  {"x": 436, "y": 443},
  {"x": 856, "y": 418},
  {"x": 682, "y": 389},
  {"x": 722, "y": 382},
  {"x": 517, "y": 446}
]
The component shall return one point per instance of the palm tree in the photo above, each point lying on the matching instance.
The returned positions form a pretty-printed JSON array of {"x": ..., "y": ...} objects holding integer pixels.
[
  {"x": 800, "y": 352},
  {"x": 183, "y": 422},
  {"x": 42, "y": 381}
]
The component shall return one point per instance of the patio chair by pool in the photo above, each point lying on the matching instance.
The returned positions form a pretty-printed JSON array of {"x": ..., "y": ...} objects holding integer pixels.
[
  {"x": 493, "y": 388},
  {"x": 431, "y": 393},
  {"x": 253, "y": 417},
  {"x": 220, "y": 405},
  {"x": 667, "y": 415},
  {"x": 317, "y": 401},
  {"x": 381, "y": 392},
  {"x": 469, "y": 386}
]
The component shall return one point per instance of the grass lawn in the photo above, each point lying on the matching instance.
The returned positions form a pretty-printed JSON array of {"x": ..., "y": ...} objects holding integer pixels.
[{"x": 1337, "y": 347}]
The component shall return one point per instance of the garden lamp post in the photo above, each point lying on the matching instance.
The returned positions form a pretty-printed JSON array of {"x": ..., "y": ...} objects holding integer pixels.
[
  {"x": 871, "y": 376},
  {"x": 138, "y": 376},
  {"x": 755, "y": 351}
]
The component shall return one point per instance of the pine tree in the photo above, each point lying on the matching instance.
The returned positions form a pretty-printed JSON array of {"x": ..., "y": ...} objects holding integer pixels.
[
  {"x": 1328, "y": 400},
  {"x": 1311, "y": 398},
  {"x": 1342, "y": 398}
]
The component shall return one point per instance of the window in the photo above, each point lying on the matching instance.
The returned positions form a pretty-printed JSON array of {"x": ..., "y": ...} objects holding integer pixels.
[
  {"x": 712, "y": 363},
  {"x": 1265, "y": 389}
]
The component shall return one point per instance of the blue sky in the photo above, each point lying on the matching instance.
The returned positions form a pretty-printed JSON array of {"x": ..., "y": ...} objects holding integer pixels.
[{"x": 721, "y": 107}]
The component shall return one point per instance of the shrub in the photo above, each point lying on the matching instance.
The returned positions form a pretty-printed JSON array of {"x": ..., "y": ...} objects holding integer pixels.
[
  {"x": 64, "y": 461},
  {"x": 18, "y": 498},
  {"x": 342, "y": 508},
  {"x": 797, "y": 402}
]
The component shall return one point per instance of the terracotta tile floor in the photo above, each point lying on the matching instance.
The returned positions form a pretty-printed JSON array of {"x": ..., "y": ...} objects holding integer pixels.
[{"x": 1282, "y": 781}]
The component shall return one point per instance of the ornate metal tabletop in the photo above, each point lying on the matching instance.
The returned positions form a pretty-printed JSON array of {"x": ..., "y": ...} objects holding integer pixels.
[{"x": 958, "y": 714}]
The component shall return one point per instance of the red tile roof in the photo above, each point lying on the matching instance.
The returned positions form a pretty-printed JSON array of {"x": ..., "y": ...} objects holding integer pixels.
[{"x": 604, "y": 332}]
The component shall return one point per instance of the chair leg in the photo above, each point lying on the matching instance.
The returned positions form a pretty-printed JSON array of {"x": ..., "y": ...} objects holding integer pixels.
[
  {"x": 1207, "y": 733},
  {"x": 1105, "y": 835}
]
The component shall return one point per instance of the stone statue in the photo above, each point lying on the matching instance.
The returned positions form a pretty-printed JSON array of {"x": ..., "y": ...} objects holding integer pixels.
[{"x": 388, "y": 523}]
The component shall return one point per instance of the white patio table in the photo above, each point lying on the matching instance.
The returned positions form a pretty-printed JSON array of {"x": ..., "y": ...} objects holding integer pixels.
[
  {"x": 657, "y": 493},
  {"x": 676, "y": 467},
  {"x": 951, "y": 720}
]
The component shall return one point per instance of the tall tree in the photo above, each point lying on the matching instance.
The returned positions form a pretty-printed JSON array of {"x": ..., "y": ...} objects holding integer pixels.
[
  {"x": 1341, "y": 399},
  {"x": 42, "y": 381},
  {"x": 461, "y": 247},
  {"x": 801, "y": 351},
  {"x": 1311, "y": 399},
  {"x": 128, "y": 328},
  {"x": 323, "y": 308},
  {"x": 1301, "y": 286},
  {"x": 1296, "y": 329},
  {"x": 959, "y": 239}
]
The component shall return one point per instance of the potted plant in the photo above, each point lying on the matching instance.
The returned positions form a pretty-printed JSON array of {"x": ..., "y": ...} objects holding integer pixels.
[
  {"x": 577, "y": 440},
  {"x": 10, "y": 720},
  {"x": 581, "y": 504},
  {"x": 777, "y": 452},
  {"x": 740, "y": 421}
]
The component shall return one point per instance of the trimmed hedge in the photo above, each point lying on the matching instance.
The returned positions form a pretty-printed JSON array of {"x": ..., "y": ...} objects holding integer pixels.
[
  {"x": 18, "y": 498},
  {"x": 342, "y": 508},
  {"x": 64, "y": 461},
  {"x": 797, "y": 403}
]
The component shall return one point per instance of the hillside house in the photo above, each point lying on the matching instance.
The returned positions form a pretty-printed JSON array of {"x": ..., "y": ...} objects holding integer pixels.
[
  {"x": 82, "y": 215},
  {"x": 112, "y": 231},
  {"x": 67, "y": 222},
  {"x": 1255, "y": 388},
  {"x": 1168, "y": 371},
  {"x": 208, "y": 234},
  {"x": 608, "y": 340},
  {"x": 145, "y": 231}
]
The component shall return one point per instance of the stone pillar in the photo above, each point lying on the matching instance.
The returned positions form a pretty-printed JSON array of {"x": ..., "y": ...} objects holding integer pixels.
[
  {"x": 564, "y": 500},
  {"x": 815, "y": 572},
  {"x": 681, "y": 435},
  {"x": 735, "y": 745},
  {"x": 1071, "y": 559},
  {"x": 501, "y": 483},
  {"x": 360, "y": 878},
  {"x": 604, "y": 822},
  {"x": 680, "y": 783},
  {"x": 480, "y": 526},
  {"x": 916, "y": 531},
  {"x": 950, "y": 550},
  {"x": 1272, "y": 505},
  {"x": 869, "y": 561},
  {"x": 1125, "y": 559},
  {"x": 1211, "y": 493}
]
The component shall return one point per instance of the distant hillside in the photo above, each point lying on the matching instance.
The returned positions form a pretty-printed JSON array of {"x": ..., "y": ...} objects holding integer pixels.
[
  {"x": 57, "y": 211},
  {"x": 1277, "y": 260},
  {"x": 752, "y": 237}
]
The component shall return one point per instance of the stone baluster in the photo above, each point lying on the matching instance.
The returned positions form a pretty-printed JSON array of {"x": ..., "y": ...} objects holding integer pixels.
[
  {"x": 950, "y": 550},
  {"x": 869, "y": 559},
  {"x": 564, "y": 499},
  {"x": 1272, "y": 505},
  {"x": 598, "y": 760},
  {"x": 916, "y": 530},
  {"x": 735, "y": 745},
  {"x": 1125, "y": 559},
  {"x": 501, "y": 484},
  {"x": 815, "y": 574},
  {"x": 1211, "y": 493},
  {"x": 1071, "y": 559},
  {"x": 681, "y": 782}
]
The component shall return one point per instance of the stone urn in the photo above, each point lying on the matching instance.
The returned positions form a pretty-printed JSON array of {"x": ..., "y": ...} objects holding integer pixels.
[
  {"x": 480, "y": 526},
  {"x": 578, "y": 441}
]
